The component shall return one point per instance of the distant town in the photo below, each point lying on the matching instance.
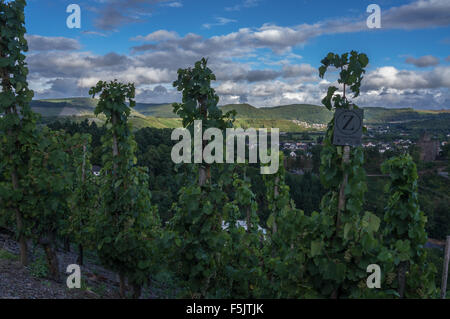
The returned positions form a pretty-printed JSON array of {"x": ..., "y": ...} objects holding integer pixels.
[{"x": 300, "y": 148}]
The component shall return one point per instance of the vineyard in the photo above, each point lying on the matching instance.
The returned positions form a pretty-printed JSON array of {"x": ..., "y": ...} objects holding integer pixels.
[{"x": 209, "y": 238}]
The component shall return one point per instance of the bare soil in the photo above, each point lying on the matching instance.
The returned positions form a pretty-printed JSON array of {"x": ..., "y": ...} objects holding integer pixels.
[{"x": 17, "y": 282}]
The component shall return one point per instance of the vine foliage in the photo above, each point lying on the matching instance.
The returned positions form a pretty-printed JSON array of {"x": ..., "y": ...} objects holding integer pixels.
[
  {"x": 127, "y": 225},
  {"x": 405, "y": 230},
  {"x": 343, "y": 241},
  {"x": 17, "y": 126}
]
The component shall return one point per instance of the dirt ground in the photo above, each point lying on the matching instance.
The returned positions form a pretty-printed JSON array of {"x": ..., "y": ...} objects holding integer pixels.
[{"x": 19, "y": 282}]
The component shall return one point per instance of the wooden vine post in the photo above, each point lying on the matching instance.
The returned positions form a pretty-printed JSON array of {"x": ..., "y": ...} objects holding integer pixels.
[
  {"x": 445, "y": 268},
  {"x": 345, "y": 161},
  {"x": 83, "y": 181},
  {"x": 205, "y": 169},
  {"x": 276, "y": 193}
]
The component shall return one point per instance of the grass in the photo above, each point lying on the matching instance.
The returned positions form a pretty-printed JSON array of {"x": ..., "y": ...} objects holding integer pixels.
[
  {"x": 4, "y": 254},
  {"x": 38, "y": 268}
]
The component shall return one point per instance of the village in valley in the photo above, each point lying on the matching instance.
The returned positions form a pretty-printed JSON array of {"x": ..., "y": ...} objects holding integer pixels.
[{"x": 301, "y": 149}]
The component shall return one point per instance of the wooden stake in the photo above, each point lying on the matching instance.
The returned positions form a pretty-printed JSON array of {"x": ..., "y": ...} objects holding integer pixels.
[
  {"x": 341, "y": 203},
  {"x": 275, "y": 196},
  {"x": 204, "y": 173},
  {"x": 445, "y": 268}
]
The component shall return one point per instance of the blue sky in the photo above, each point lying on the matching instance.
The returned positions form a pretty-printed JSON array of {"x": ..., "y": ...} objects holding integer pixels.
[{"x": 263, "y": 52}]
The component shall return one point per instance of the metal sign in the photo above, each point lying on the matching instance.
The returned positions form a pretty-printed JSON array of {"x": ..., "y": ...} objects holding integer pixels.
[{"x": 348, "y": 126}]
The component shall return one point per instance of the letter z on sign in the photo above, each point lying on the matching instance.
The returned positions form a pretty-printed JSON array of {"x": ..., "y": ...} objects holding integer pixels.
[{"x": 348, "y": 126}]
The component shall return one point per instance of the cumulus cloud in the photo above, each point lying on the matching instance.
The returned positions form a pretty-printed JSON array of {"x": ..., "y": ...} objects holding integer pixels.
[
  {"x": 245, "y": 40},
  {"x": 390, "y": 87},
  {"x": 61, "y": 74},
  {"x": 270, "y": 93},
  {"x": 418, "y": 14},
  {"x": 300, "y": 70},
  {"x": 41, "y": 43},
  {"x": 390, "y": 77},
  {"x": 385, "y": 87},
  {"x": 115, "y": 13},
  {"x": 88, "y": 68},
  {"x": 416, "y": 98},
  {"x": 238, "y": 74},
  {"x": 424, "y": 61},
  {"x": 96, "y": 33},
  {"x": 57, "y": 88},
  {"x": 159, "y": 35},
  {"x": 279, "y": 39},
  {"x": 154, "y": 61},
  {"x": 157, "y": 94}
]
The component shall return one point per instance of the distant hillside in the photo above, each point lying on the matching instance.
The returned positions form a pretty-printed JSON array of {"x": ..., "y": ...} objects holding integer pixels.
[
  {"x": 302, "y": 112},
  {"x": 247, "y": 111},
  {"x": 64, "y": 107},
  {"x": 156, "y": 110},
  {"x": 79, "y": 106},
  {"x": 285, "y": 117},
  {"x": 321, "y": 115},
  {"x": 78, "y": 109}
]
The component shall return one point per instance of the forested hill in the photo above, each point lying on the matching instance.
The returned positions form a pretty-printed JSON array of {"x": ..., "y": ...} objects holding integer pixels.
[
  {"x": 284, "y": 114},
  {"x": 319, "y": 114}
]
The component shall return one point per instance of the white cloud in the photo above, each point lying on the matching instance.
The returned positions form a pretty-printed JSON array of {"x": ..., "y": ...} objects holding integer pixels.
[
  {"x": 424, "y": 61},
  {"x": 418, "y": 14},
  {"x": 220, "y": 21},
  {"x": 159, "y": 35},
  {"x": 101, "y": 34},
  {"x": 390, "y": 77},
  {"x": 42, "y": 43},
  {"x": 245, "y": 69},
  {"x": 175, "y": 4}
]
